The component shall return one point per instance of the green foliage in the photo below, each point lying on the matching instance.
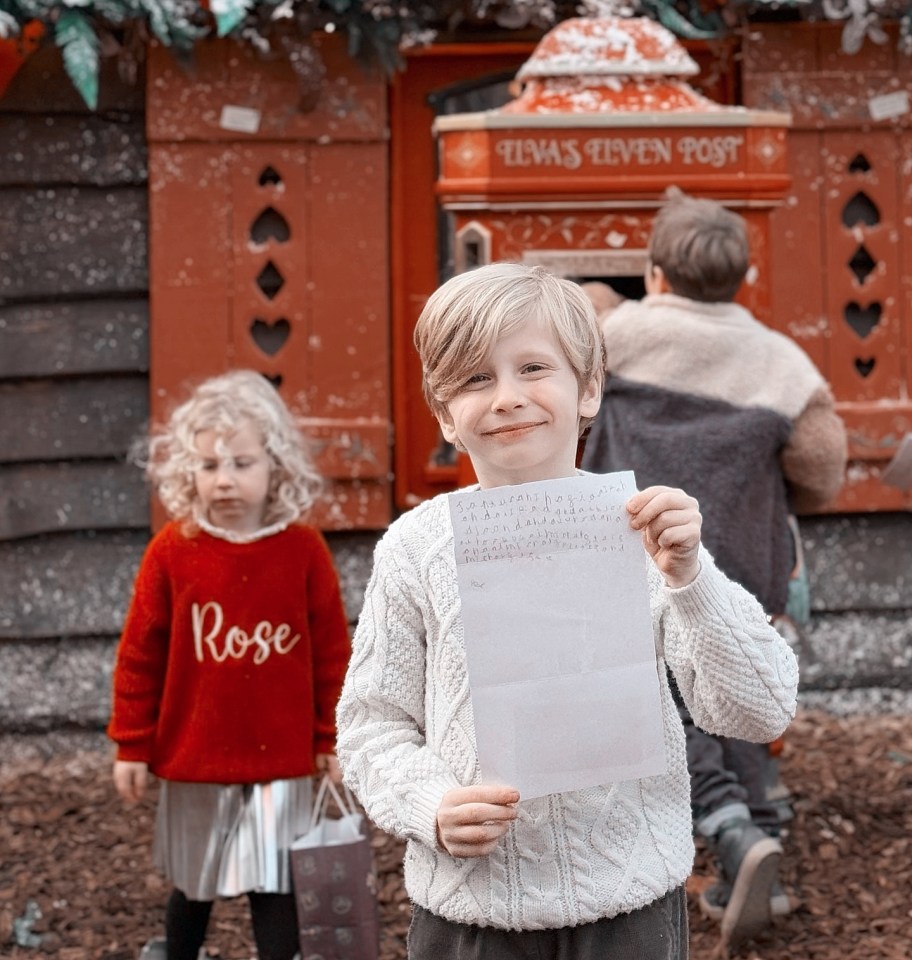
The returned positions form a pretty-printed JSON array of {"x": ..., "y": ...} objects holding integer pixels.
[
  {"x": 77, "y": 40},
  {"x": 375, "y": 29},
  {"x": 229, "y": 14}
]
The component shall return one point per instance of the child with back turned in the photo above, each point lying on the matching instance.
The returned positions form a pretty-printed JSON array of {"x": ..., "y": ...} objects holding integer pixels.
[
  {"x": 231, "y": 660},
  {"x": 513, "y": 360},
  {"x": 701, "y": 395}
]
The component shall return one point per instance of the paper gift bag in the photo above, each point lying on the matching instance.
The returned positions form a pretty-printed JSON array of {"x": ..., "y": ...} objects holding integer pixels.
[{"x": 334, "y": 883}]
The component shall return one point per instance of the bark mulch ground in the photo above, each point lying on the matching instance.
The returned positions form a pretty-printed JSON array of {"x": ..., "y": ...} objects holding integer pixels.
[{"x": 76, "y": 881}]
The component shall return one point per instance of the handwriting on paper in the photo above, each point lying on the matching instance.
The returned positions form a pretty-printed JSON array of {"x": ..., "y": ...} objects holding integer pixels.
[
  {"x": 515, "y": 523},
  {"x": 558, "y": 634}
]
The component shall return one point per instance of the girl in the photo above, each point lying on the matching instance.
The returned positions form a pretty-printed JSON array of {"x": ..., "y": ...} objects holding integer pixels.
[{"x": 231, "y": 661}]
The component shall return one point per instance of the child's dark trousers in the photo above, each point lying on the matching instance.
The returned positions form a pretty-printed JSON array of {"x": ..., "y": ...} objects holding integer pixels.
[{"x": 657, "y": 931}]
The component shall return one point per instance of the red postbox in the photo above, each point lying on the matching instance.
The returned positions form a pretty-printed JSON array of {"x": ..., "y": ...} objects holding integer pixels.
[{"x": 571, "y": 172}]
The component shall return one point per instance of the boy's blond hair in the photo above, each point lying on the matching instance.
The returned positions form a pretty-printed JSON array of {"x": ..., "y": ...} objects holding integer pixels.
[
  {"x": 465, "y": 317},
  {"x": 701, "y": 247},
  {"x": 223, "y": 404}
]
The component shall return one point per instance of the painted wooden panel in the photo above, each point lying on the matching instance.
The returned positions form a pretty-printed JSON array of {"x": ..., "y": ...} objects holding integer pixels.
[
  {"x": 841, "y": 243},
  {"x": 349, "y": 369},
  {"x": 797, "y": 268},
  {"x": 190, "y": 266},
  {"x": 863, "y": 266},
  {"x": 84, "y": 495},
  {"x": 414, "y": 244},
  {"x": 270, "y": 272},
  {"x": 78, "y": 337},
  {"x": 350, "y": 103},
  {"x": 44, "y": 420},
  {"x": 269, "y": 251}
]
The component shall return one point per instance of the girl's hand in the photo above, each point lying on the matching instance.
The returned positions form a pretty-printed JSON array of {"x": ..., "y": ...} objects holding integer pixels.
[
  {"x": 328, "y": 764},
  {"x": 131, "y": 777},
  {"x": 471, "y": 820},
  {"x": 670, "y": 522}
]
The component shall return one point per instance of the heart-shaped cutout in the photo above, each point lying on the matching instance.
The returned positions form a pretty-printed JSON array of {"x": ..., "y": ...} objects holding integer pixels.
[
  {"x": 269, "y": 177},
  {"x": 270, "y": 337},
  {"x": 860, "y": 209},
  {"x": 862, "y": 319},
  {"x": 864, "y": 367},
  {"x": 270, "y": 225}
]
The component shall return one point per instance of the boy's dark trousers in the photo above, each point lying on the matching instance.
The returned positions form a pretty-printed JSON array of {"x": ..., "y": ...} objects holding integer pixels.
[
  {"x": 657, "y": 931},
  {"x": 726, "y": 772}
]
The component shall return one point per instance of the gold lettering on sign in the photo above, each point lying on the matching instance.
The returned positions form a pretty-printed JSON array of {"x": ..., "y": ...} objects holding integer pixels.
[
  {"x": 540, "y": 152},
  {"x": 710, "y": 151},
  {"x": 569, "y": 154},
  {"x": 617, "y": 151},
  {"x": 208, "y": 620}
]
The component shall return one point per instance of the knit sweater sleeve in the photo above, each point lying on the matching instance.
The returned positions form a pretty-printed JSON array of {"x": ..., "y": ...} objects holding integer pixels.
[
  {"x": 381, "y": 721},
  {"x": 142, "y": 655},
  {"x": 329, "y": 635},
  {"x": 737, "y": 675},
  {"x": 814, "y": 458}
]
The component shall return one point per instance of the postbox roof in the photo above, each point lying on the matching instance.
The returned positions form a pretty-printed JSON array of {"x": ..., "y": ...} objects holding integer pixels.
[{"x": 608, "y": 46}]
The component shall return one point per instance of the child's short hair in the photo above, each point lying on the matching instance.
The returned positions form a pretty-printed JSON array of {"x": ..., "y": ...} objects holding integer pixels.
[
  {"x": 466, "y": 315},
  {"x": 222, "y": 404},
  {"x": 701, "y": 247}
]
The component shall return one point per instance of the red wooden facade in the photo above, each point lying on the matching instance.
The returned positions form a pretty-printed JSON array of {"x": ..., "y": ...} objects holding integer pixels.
[
  {"x": 842, "y": 244},
  {"x": 268, "y": 249},
  {"x": 304, "y": 243}
]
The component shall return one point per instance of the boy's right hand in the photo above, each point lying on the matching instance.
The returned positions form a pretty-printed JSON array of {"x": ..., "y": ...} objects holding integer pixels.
[
  {"x": 471, "y": 820},
  {"x": 131, "y": 777}
]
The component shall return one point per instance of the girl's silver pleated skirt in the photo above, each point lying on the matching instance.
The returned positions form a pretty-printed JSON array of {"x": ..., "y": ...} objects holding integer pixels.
[{"x": 222, "y": 840}]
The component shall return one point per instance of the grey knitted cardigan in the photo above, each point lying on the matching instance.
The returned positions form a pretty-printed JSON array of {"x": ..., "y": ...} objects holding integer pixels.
[{"x": 406, "y": 737}]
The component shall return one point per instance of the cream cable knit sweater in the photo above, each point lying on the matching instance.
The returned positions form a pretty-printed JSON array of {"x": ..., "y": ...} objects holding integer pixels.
[{"x": 406, "y": 736}]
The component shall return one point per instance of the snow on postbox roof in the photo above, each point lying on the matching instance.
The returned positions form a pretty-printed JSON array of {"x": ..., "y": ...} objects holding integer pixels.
[
  {"x": 608, "y": 46},
  {"x": 607, "y": 65},
  {"x": 603, "y": 111}
]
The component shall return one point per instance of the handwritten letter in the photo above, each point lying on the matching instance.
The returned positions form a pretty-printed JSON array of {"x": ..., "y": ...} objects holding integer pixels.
[{"x": 558, "y": 634}]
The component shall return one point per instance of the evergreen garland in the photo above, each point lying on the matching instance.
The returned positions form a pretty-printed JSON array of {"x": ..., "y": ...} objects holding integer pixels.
[{"x": 87, "y": 30}]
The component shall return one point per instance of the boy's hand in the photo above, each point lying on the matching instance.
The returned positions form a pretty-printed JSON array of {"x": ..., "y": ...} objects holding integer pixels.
[
  {"x": 328, "y": 764},
  {"x": 471, "y": 820},
  {"x": 670, "y": 522},
  {"x": 131, "y": 777}
]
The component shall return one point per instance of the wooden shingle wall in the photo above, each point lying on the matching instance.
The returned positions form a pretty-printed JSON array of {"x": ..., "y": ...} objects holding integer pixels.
[
  {"x": 74, "y": 393},
  {"x": 73, "y": 384}
]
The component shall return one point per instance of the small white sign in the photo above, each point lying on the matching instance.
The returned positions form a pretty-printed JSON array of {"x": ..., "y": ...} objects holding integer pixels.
[
  {"x": 889, "y": 105},
  {"x": 240, "y": 119}
]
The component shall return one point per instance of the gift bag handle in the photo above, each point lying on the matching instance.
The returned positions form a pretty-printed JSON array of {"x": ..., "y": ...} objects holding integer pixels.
[{"x": 326, "y": 790}]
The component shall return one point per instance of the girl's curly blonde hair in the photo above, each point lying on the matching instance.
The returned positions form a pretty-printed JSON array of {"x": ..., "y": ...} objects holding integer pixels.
[{"x": 169, "y": 456}]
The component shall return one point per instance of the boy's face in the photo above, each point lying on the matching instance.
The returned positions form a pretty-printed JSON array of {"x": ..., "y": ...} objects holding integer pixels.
[{"x": 518, "y": 414}]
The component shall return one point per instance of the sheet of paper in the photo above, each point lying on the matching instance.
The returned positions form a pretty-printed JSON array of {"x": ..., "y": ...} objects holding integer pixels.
[{"x": 558, "y": 634}]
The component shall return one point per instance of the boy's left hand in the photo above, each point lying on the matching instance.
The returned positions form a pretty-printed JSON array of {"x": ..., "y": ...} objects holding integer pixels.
[{"x": 669, "y": 521}]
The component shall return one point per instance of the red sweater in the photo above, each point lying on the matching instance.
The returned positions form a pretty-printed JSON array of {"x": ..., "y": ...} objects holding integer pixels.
[{"x": 232, "y": 658}]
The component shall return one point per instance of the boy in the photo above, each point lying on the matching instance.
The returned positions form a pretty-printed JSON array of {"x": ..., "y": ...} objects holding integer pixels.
[
  {"x": 700, "y": 395},
  {"x": 512, "y": 362}
]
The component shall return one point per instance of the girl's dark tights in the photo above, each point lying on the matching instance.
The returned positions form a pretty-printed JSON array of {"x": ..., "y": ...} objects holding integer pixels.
[{"x": 275, "y": 925}]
